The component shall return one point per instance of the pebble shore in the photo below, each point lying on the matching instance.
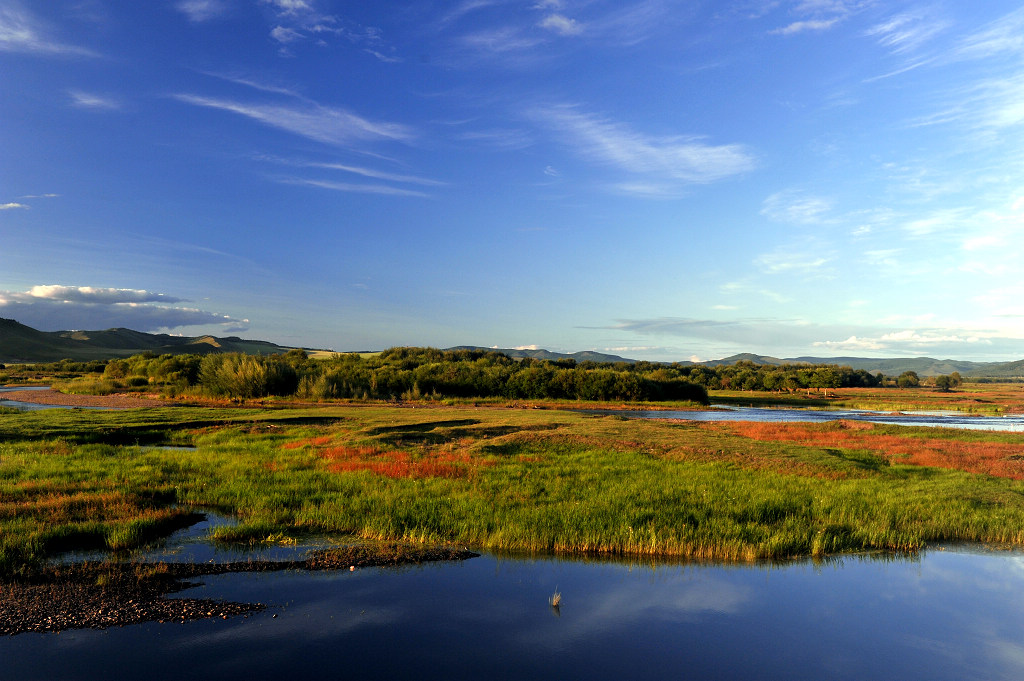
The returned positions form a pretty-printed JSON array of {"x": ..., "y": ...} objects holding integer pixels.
[{"x": 98, "y": 595}]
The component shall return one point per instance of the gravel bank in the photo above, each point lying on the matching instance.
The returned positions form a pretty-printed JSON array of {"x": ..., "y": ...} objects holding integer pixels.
[{"x": 101, "y": 595}]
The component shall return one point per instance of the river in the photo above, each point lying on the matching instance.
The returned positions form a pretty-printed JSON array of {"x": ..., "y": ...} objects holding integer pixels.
[{"x": 945, "y": 614}]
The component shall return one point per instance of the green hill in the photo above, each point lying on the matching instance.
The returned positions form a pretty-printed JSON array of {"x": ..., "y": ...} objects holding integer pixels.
[
  {"x": 20, "y": 343},
  {"x": 582, "y": 356}
]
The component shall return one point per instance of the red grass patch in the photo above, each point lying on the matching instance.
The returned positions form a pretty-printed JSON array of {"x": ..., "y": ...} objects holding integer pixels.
[
  {"x": 999, "y": 459},
  {"x": 308, "y": 442},
  {"x": 442, "y": 463}
]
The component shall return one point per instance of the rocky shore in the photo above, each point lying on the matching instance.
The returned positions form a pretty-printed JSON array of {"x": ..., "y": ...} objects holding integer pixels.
[{"x": 98, "y": 595}]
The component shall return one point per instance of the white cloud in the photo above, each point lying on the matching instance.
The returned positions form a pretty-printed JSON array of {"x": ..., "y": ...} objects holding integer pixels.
[
  {"x": 562, "y": 25},
  {"x": 86, "y": 100},
  {"x": 12, "y": 206},
  {"x": 21, "y": 32},
  {"x": 89, "y": 294},
  {"x": 665, "y": 161},
  {"x": 817, "y": 15},
  {"x": 285, "y": 35},
  {"x": 320, "y": 123},
  {"x": 199, "y": 11},
  {"x": 851, "y": 344},
  {"x": 803, "y": 26},
  {"x": 290, "y": 6},
  {"x": 57, "y": 308}
]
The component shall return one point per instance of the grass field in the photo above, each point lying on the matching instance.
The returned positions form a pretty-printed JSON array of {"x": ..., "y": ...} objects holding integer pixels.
[{"x": 498, "y": 478}]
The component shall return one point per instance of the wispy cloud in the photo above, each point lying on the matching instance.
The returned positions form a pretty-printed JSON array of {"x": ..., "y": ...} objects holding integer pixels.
[
  {"x": 632, "y": 23},
  {"x": 790, "y": 261},
  {"x": 795, "y": 206},
  {"x": 376, "y": 174},
  {"x": 501, "y": 139},
  {"x": 88, "y": 100},
  {"x": 501, "y": 40},
  {"x": 299, "y": 21},
  {"x": 13, "y": 206},
  {"x": 1002, "y": 36},
  {"x": 253, "y": 83},
  {"x": 21, "y": 32},
  {"x": 387, "y": 190},
  {"x": 58, "y": 307},
  {"x": 320, "y": 123},
  {"x": 818, "y": 15},
  {"x": 907, "y": 32},
  {"x": 199, "y": 11},
  {"x": 665, "y": 161}
]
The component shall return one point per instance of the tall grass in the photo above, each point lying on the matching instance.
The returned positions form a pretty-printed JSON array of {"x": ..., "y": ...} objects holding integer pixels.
[{"x": 524, "y": 480}]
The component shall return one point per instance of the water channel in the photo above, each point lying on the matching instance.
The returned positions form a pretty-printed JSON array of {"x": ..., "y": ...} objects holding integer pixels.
[{"x": 934, "y": 419}]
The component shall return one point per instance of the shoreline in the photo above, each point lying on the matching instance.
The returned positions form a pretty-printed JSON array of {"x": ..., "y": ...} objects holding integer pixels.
[{"x": 100, "y": 595}]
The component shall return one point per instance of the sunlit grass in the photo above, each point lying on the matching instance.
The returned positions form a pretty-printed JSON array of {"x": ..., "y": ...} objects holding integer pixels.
[{"x": 524, "y": 480}]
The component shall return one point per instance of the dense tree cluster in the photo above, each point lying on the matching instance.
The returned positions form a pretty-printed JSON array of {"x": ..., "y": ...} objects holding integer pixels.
[{"x": 415, "y": 373}]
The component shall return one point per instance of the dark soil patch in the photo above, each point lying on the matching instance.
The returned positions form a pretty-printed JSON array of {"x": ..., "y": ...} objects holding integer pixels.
[{"x": 98, "y": 595}]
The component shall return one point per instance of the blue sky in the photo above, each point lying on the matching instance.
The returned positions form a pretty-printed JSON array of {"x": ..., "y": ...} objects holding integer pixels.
[{"x": 658, "y": 179}]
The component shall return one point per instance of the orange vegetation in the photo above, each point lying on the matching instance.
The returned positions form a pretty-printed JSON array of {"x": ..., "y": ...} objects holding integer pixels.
[
  {"x": 308, "y": 442},
  {"x": 439, "y": 463},
  {"x": 1000, "y": 459}
]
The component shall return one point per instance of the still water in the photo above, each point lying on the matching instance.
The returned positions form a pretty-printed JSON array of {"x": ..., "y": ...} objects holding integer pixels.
[
  {"x": 953, "y": 614},
  {"x": 935, "y": 419}
]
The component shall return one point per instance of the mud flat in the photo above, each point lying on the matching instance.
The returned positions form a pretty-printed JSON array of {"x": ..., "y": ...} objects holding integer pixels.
[{"x": 99, "y": 595}]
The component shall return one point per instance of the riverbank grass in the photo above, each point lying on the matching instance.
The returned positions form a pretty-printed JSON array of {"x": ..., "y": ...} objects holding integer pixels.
[{"x": 511, "y": 479}]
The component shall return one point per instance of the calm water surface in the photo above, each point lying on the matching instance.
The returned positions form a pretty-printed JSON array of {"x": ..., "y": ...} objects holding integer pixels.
[
  {"x": 936, "y": 419},
  {"x": 944, "y": 615}
]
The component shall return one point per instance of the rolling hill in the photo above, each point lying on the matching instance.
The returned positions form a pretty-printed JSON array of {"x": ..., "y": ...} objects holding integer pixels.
[{"x": 20, "y": 343}]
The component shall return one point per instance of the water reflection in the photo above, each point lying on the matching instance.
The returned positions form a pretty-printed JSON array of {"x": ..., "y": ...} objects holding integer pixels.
[
  {"x": 943, "y": 615},
  {"x": 932, "y": 419}
]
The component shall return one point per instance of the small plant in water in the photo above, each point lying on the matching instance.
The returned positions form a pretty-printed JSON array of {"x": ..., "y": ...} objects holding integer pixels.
[{"x": 556, "y": 599}]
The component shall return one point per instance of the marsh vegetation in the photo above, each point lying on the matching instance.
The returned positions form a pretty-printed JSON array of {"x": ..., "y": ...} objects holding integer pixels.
[{"x": 525, "y": 480}]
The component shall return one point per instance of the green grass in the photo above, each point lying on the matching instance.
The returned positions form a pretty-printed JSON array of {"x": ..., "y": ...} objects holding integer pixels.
[{"x": 511, "y": 479}]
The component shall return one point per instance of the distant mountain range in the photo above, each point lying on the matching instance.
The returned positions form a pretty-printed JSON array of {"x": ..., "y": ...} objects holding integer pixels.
[
  {"x": 20, "y": 343},
  {"x": 583, "y": 356},
  {"x": 924, "y": 366}
]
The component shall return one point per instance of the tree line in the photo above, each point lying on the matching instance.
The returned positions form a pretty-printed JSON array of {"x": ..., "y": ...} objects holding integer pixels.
[{"x": 416, "y": 373}]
